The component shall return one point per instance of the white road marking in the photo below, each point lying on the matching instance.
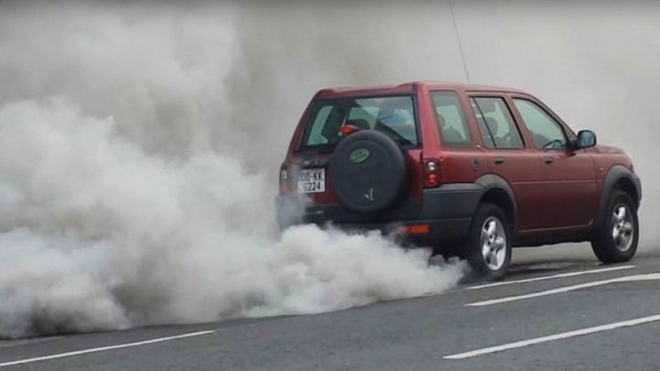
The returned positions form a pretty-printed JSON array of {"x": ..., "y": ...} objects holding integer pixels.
[
  {"x": 559, "y": 290},
  {"x": 560, "y": 275},
  {"x": 104, "y": 349},
  {"x": 564, "y": 335}
]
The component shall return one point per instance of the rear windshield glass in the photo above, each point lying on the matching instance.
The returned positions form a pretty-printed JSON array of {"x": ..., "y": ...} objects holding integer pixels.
[{"x": 393, "y": 116}]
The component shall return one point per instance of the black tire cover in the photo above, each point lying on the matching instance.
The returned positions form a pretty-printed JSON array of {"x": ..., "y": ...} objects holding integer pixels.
[{"x": 367, "y": 171}]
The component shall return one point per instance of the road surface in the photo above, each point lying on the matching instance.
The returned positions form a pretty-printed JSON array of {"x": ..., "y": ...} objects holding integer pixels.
[{"x": 554, "y": 311}]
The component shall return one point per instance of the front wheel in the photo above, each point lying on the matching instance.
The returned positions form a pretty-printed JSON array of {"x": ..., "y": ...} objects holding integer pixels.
[
  {"x": 488, "y": 247},
  {"x": 616, "y": 239}
]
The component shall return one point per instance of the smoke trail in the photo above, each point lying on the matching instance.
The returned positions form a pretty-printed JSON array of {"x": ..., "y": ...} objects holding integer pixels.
[
  {"x": 136, "y": 148},
  {"x": 99, "y": 234}
]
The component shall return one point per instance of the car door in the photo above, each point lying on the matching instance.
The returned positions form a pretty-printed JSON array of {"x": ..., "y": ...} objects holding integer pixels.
[
  {"x": 570, "y": 174},
  {"x": 511, "y": 158}
]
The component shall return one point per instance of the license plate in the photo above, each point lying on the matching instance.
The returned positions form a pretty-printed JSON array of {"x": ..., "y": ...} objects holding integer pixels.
[{"x": 311, "y": 181}]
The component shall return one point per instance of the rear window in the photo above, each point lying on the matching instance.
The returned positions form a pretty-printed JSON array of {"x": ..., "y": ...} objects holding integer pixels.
[{"x": 393, "y": 116}]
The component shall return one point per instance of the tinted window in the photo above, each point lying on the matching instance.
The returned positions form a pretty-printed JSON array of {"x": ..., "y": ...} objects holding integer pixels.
[
  {"x": 496, "y": 124},
  {"x": 393, "y": 116},
  {"x": 546, "y": 132},
  {"x": 450, "y": 119},
  {"x": 316, "y": 136}
]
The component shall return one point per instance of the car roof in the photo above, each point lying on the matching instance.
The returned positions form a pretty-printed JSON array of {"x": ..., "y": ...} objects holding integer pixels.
[{"x": 410, "y": 88}]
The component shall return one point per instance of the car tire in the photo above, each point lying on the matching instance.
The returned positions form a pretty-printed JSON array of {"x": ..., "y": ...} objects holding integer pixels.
[
  {"x": 615, "y": 240},
  {"x": 377, "y": 181},
  {"x": 488, "y": 248}
]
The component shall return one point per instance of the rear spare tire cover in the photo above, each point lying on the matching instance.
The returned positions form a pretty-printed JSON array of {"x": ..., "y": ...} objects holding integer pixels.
[{"x": 367, "y": 172}]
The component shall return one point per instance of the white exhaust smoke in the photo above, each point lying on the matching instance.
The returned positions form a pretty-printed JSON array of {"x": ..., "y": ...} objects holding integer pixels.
[
  {"x": 97, "y": 234},
  {"x": 138, "y": 148}
]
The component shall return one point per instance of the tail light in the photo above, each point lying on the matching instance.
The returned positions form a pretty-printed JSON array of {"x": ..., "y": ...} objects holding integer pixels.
[
  {"x": 431, "y": 173},
  {"x": 285, "y": 179}
]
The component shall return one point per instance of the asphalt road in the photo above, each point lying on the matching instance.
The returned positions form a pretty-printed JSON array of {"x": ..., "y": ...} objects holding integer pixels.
[{"x": 573, "y": 315}]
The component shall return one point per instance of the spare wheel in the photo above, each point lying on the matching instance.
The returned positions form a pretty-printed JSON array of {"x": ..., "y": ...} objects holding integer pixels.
[{"x": 368, "y": 171}]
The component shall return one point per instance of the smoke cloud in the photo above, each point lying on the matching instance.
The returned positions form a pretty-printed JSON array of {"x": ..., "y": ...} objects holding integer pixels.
[
  {"x": 137, "y": 151},
  {"x": 140, "y": 142}
]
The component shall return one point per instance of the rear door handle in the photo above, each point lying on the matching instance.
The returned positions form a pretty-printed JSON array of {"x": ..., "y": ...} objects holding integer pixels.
[
  {"x": 498, "y": 160},
  {"x": 549, "y": 159}
]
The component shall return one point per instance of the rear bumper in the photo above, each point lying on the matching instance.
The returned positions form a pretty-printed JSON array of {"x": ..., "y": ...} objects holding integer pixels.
[
  {"x": 447, "y": 211},
  {"x": 439, "y": 230}
]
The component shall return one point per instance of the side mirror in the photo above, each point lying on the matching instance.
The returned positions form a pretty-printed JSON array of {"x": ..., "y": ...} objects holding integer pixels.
[{"x": 585, "y": 139}]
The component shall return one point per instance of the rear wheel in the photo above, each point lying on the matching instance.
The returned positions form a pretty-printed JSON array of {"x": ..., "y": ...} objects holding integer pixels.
[
  {"x": 488, "y": 247},
  {"x": 616, "y": 239}
]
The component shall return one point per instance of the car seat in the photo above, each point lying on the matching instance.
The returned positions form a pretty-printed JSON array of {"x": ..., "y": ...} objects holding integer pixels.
[{"x": 448, "y": 133}]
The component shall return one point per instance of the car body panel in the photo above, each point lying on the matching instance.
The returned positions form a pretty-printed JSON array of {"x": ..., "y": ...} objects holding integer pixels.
[{"x": 557, "y": 195}]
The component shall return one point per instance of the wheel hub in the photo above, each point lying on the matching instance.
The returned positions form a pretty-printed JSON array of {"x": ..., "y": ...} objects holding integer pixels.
[
  {"x": 622, "y": 228},
  {"x": 493, "y": 243}
]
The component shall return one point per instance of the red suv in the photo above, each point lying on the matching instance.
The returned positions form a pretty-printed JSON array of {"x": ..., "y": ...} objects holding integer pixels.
[{"x": 470, "y": 171}]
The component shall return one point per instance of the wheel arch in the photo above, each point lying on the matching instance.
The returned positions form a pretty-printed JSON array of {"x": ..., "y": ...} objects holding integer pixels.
[
  {"x": 618, "y": 178},
  {"x": 497, "y": 191}
]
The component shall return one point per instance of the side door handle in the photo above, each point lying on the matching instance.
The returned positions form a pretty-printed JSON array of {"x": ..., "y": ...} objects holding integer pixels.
[
  {"x": 549, "y": 159},
  {"x": 498, "y": 160}
]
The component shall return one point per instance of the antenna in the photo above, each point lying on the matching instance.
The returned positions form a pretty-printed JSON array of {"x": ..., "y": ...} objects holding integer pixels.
[{"x": 460, "y": 45}]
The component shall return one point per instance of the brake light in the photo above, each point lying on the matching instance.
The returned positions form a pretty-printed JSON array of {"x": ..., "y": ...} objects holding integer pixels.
[
  {"x": 347, "y": 129},
  {"x": 431, "y": 173},
  {"x": 285, "y": 184}
]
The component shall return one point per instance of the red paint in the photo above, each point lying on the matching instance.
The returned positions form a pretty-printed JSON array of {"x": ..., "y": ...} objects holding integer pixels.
[{"x": 560, "y": 194}]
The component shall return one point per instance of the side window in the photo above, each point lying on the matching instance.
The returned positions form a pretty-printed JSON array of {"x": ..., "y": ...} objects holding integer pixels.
[
  {"x": 546, "y": 132},
  {"x": 450, "y": 119},
  {"x": 496, "y": 124}
]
